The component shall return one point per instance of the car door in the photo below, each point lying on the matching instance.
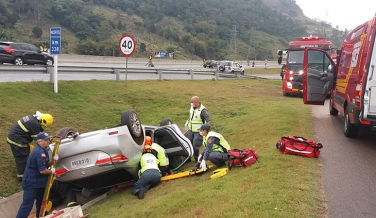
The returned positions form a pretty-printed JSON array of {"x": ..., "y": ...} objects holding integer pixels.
[
  {"x": 38, "y": 56},
  {"x": 27, "y": 53},
  {"x": 236, "y": 68},
  {"x": 318, "y": 76}
]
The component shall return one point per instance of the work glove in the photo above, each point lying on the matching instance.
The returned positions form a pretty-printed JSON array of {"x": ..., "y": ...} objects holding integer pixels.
[
  {"x": 38, "y": 114},
  {"x": 56, "y": 157},
  {"x": 203, "y": 165},
  {"x": 53, "y": 169}
]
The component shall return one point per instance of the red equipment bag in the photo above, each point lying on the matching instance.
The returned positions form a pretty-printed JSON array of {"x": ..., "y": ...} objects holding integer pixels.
[
  {"x": 299, "y": 146},
  {"x": 242, "y": 158}
]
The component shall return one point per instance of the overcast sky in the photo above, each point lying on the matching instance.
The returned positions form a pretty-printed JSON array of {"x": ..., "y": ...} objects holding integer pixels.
[{"x": 344, "y": 13}]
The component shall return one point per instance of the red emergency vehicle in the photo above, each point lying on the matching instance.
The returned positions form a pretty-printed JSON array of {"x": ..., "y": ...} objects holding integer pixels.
[
  {"x": 292, "y": 80},
  {"x": 352, "y": 80}
]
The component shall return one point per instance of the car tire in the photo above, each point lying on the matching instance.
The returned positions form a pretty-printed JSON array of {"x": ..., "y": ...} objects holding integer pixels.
[
  {"x": 131, "y": 119},
  {"x": 242, "y": 73},
  {"x": 350, "y": 130},
  {"x": 232, "y": 72},
  {"x": 18, "y": 61},
  {"x": 285, "y": 94},
  {"x": 165, "y": 122},
  {"x": 204, "y": 66},
  {"x": 221, "y": 68},
  {"x": 332, "y": 110},
  {"x": 49, "y": 62},
  {"x": 66, "y": 132}
]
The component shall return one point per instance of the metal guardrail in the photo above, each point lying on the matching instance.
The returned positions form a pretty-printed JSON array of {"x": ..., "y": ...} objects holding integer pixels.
[{"x": 114, "y": 70}]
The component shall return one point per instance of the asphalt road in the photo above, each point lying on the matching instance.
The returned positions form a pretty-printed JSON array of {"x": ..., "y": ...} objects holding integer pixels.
[{"x": 349, "y": 167}]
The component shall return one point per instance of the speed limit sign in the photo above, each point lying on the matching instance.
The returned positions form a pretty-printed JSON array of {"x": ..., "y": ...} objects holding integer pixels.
[{"x": 127, "y": 45}]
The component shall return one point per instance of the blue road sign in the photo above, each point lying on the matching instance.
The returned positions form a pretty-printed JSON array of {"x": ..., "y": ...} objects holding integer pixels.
[{"x": 55, "y": 40}]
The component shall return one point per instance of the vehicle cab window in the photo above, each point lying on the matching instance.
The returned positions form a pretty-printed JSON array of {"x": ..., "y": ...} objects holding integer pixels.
[{"x": 319, "y": 61}]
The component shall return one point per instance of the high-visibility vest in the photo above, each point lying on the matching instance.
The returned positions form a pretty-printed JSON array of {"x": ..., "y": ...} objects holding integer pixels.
[
  {"x": 162, "y": 155},
  {"x": 148, "y": 161},
  {"x": 195, "y": 121},
  {"x": 222, "y": 141}
]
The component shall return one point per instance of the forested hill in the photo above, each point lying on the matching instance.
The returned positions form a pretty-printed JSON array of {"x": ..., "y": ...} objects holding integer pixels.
[{"x": 219, "y": 29}]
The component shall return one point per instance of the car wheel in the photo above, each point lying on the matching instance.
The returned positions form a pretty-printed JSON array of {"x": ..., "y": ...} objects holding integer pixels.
[
  {"x": 350, "y": 130},
  {"x": 165, "y": 122},
  {"x": 221, "y": 68},
  {"x": 18, "y": 61},
  {"x": 49, "y": 62},
  {"x": 232, "y": 72},
  {"x": 204, "y": 66},
  {"x": 242, "y": 73},
  {"x": 66, "y": 132},
  {"x": 332, "y": 110},
  {"x": 130, "y": 119}
]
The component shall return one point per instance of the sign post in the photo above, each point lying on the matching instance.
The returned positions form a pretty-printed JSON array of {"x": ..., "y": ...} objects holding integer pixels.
[
  {"x": 127, "y": 46},
  {"x": 55, "y": 49}
]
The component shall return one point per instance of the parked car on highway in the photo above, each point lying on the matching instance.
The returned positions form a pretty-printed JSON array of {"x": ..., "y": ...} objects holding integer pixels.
[
  {"x": 210, "y": 64},
  {"x": 23, "y": 53},
  {"x": 108, "y": 157},
  {"x": 231, "y": 67}
]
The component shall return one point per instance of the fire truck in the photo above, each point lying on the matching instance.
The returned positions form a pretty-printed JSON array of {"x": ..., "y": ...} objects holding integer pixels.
[
  {"x": 292, "y": 78},
  {"x": 352, "y": 79}
]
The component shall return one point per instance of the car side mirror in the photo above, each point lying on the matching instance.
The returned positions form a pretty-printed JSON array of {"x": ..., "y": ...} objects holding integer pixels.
[{"x": 279, "y": 60}]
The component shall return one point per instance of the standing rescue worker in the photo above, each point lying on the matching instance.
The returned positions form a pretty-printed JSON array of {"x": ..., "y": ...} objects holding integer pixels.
[
  {"x": 161, "y": 154},
  {"x": 149, "y": 174},
  {"x": 36, "y": 175},
  {"x": 22, "y": 133},
  {"x": 198, "y": 115},
  {"x": 216, "y": 148}
]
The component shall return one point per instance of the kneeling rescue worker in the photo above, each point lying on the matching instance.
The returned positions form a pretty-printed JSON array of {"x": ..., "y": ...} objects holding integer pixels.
[
  {"x": 22, "y": 133},
  {"x": 150, "y": 175},
  {"x": 161, "y": 154},
  {"x": 36, "y": 174},
  {"x": 216, "y": 148}
]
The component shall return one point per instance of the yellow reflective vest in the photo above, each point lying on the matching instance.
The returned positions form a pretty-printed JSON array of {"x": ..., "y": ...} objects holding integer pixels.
[
  {"x": 195, "y": 121},
  {"x": 148, "y": 161},
  {"x": 222, "y": 141},
  {"x": 162, "y": 155}
]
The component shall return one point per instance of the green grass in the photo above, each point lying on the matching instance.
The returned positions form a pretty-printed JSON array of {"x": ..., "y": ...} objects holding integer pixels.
[
  {"x": 263, "y": 71},
  {"x": 277, "y": 185}
]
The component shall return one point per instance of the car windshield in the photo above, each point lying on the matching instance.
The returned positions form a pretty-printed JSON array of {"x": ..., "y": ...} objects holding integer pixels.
[{"x": 295, "y": 60}]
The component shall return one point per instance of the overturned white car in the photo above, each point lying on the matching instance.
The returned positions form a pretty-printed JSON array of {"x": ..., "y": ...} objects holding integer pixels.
[{"x": 108, "y": 157}]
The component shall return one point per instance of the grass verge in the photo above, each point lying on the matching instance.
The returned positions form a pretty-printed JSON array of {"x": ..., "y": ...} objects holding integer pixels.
[
  {"x": 276, "y": 186},
  {"x": 262, "y": 71}
]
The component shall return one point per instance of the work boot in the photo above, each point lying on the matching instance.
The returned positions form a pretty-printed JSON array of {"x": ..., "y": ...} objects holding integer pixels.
[{"x": 141, "y": 194}]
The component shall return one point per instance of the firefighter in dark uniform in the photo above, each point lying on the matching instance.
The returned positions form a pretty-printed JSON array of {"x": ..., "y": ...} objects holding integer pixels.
[
  {"x": 62, "y": 192},
  {"x": 149, "y": 174},
  {"x": 35, "y": 176},
  {"x": 22, "y": 133},
  {"x": 198, "y": 115},
  {"x": 216, "y": 148}
]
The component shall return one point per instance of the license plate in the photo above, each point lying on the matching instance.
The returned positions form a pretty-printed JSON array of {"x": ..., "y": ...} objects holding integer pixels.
[{"x": 80, "y": 163}]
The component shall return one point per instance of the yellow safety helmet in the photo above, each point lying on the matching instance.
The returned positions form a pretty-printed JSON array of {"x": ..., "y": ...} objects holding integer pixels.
[{"x": 46, "y": 120}]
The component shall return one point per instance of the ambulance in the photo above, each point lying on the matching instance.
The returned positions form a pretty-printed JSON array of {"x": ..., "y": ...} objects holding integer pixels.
[
  {"x": 352, "y": 79},
  {"x": 292, "y": 80}
]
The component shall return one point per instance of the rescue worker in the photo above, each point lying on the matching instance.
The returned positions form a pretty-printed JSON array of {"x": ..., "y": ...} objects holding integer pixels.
[
  {"x": 161, "y": 154},
  {"x": 149, "y": 174},
  {"x": 198, "y": 115},
  {"x": 62, "y": 192},
  {"x": 35, "y": 177},
  {"x": 22, "y": 133},
  {"x": 216, "y": 148}
]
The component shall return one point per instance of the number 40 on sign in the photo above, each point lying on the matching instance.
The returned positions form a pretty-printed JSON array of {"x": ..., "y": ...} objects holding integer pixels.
[{"x": 127, "y": 45}]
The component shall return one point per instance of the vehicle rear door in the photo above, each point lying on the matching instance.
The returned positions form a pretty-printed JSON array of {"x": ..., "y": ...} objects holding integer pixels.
[
  {"x": 318, "y": 76},
  {"x": 369, "y": 89}
]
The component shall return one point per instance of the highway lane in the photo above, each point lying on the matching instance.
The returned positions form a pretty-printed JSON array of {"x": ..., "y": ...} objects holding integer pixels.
[{"x": 348, "y": 167}]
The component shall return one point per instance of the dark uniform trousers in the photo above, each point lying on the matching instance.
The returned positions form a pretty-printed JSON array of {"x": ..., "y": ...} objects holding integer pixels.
[
  {"x": 218, "y": 158},
  {"x": 148, "y": 179},
  {"x": 196, "y": 140},
  {"x": 62, "y": 192},
  {"x": 28, "y": 202},
  {"x": 20, "y": 155}
]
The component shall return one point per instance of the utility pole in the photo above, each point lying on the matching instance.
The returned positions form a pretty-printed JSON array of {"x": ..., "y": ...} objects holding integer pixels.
[{"x": 233, "y": 40}]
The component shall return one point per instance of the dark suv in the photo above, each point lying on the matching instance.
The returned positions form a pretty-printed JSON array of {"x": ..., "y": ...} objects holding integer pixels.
[{"x": 22, "y": 53}]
